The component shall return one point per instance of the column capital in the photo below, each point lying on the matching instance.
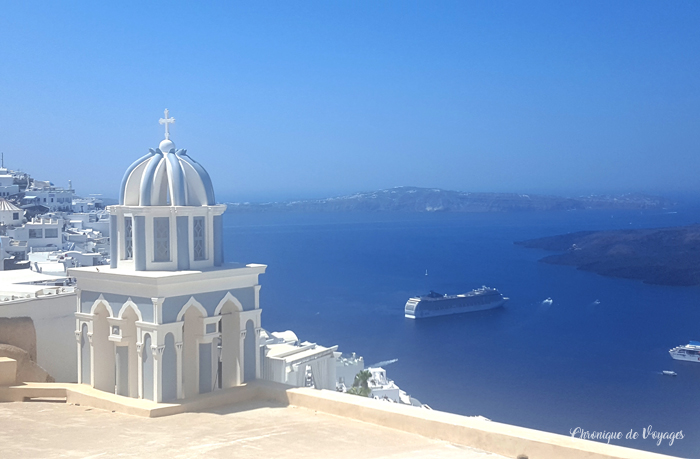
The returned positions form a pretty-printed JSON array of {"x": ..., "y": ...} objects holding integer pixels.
[
  {"x": 157, "y": 351},
  {"x": 90, "y": 337},
  {"x": 243, "y": 333},
  {"x": 178, "y": 346}
]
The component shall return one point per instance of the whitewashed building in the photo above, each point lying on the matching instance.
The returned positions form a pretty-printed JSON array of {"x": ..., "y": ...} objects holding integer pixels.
[
  {"x": 167, "y": 319},
  {"x": 10, "y": 214},
  {"x": 8, "y": 187},
  {"x": 40, "y": 233},
  {"x": 44, "y": 193},
  {"x": 300, "y": 364}
]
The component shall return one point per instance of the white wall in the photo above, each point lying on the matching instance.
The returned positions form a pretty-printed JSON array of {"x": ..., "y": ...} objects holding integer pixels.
[{"x": 54, "y": 321}]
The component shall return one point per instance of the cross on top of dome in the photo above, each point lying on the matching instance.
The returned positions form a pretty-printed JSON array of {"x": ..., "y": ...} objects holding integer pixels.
[
  {"x": 167, "y": 144},
  {"x": 167, "y": 121}
]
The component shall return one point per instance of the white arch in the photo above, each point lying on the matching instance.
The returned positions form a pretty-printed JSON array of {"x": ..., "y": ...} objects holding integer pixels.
[
  {"x": 191, "y": 303},
  {"x": 101, "y": 299},
  {"x": 225, "y": 300},
  {"x": 130, "y": 304}
]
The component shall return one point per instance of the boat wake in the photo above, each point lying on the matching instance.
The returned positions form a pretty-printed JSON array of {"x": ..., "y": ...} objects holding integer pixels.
[{"x": 383, "y": 363}]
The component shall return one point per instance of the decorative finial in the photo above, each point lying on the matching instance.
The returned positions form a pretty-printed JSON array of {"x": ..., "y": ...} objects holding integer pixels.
[{"x": 166, "y": 121}]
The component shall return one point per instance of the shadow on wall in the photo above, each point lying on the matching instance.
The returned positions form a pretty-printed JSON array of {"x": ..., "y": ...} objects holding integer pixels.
[{"x": 18, "y": 341}]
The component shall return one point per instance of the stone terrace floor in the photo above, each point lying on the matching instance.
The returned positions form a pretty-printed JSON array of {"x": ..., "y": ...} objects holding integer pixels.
[{"x": 247, "y": 430}]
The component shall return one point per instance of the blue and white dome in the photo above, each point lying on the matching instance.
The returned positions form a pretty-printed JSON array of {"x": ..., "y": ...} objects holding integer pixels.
[{"x": 166, "y": 177}]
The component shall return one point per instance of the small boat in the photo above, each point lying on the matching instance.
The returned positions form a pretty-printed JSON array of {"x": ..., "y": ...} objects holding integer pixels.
[
  {"x": 669, "y": 373},
  {"x": 548, "y": 302}
]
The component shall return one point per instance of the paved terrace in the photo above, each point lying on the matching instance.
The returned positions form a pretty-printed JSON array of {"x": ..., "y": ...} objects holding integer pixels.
[
  {"x": 251, "y": 429},
  {"x": 266, "y": 419}
]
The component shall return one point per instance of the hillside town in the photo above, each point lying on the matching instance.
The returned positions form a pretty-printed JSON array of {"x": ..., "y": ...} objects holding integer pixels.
[{"x": 47, "y": 228}]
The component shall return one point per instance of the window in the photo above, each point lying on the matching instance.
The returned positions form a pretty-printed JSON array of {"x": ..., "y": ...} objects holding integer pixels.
[
  {"x": 36, "y": 234},
  {"x": 128, "y": 239},
  {"x": 51, "y": 232},
  {"x": 198, "y": 236},
  {"x": 161, "y": 238},
  {"x": 44, "y": 199},
  {"x": 15, "y": 216}
]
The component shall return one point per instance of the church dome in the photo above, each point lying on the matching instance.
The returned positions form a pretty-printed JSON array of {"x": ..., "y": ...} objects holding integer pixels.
[
  {"x": 166, "y": 177},
  {"x": 169, "y": 178}
]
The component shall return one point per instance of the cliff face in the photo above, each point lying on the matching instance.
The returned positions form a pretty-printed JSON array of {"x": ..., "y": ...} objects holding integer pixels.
[
  {"x": 666, "y": 256},
  {"x": 413, "y": 199}
]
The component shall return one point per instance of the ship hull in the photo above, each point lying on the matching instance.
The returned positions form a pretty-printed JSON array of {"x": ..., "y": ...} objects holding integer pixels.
[
  {"x": 419, "y": 308},
  {"x": 685, "y": 357}
]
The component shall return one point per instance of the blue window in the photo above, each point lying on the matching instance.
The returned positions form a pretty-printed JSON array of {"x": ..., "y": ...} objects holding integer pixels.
[
  {"x": 161, "y": 238},
  {"x": 128, "y": 239},
  {"x": 198, "y": 238}
]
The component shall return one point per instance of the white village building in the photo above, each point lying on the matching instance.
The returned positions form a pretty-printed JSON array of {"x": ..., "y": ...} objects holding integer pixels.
[
  {"x": 167, "y": 319},
  {"x": 46, "y": 194},
  {"x": 286, "y": 360},
  {"x": 10, "y": 214}
]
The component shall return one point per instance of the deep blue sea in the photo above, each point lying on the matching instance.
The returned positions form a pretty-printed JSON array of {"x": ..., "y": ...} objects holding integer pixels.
[{"x": 343, "y": 278}]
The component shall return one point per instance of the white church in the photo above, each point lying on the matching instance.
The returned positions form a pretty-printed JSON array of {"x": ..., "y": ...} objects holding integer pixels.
[{"x": 168, "y": 319}]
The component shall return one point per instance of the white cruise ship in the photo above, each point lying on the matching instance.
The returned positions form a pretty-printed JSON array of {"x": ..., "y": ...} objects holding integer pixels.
[
  {"x": 689, "y": 352},
  {"x": 436, "y": 304}
]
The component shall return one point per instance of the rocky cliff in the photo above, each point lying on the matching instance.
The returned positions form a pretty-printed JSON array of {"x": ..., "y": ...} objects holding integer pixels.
[{"x": 666, "y": 256}]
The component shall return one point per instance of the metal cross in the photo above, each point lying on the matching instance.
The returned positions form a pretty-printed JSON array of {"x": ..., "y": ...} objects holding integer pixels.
[{"x": 166, "y": 121}]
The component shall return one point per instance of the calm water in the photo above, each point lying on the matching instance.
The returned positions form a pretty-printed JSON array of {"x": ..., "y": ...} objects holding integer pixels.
[{"x": 344, "y": 279}]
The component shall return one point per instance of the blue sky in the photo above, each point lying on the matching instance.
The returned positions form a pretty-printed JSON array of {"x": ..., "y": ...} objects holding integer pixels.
[{"x": 310, "y": 99}]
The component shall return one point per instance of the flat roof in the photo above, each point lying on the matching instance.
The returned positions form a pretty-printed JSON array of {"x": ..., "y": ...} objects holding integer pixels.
[{"x": 248, "y": 430}]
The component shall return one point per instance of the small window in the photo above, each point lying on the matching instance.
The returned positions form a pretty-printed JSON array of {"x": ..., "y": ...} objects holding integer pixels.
[
  {"x": 44, "y": 199},
  {"x": 15, "y": 216},
  {"x": 128, "y": 239},
  {"x": 198, "y": 238},
  {"x": 36, "y": 234},
  {"x": 161, "y": 238},
  {"x": 51, "y": 232}
]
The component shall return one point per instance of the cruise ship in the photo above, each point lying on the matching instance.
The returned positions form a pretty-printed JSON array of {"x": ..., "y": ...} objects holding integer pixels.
[
  {"x": 689, "y": 352},
  {"x": 436, "y": 304}
]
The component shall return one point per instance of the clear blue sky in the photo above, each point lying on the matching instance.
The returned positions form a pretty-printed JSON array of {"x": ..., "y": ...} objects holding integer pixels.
[{"x": 303, "y": 99}]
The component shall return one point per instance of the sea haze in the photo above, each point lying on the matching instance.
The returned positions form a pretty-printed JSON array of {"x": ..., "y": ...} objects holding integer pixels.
[{"x": 343, "y": 278}]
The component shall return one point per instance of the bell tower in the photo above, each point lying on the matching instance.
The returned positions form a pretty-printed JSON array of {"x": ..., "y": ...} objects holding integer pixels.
[{"x": 168, "y": 319}]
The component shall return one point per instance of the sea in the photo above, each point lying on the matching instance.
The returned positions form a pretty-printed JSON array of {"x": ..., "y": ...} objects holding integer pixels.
[{"x": 591, "y": 360}]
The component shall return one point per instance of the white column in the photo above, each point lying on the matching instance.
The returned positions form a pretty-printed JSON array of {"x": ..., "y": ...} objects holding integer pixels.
[
  {"x": 258, "y": 370},
  {"x": 241, "y": 355},
  {"x": 139, "y": 359},
  {"x": 78, "y": 333},
  {"x": 92, "y": 357},
  {"x": 215, "y": 362},
  {"x": 158, "y": 373},
  {"x": 157, "y": 310},
  {"x": 178, "y": 351}
]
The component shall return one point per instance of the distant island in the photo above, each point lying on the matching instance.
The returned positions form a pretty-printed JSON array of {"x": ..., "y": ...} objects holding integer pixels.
[
  {"x": 665, "y": 256},
  {"x": 413, "y": 199}
]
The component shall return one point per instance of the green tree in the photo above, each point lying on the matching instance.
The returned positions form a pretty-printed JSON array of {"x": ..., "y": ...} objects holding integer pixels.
[{"x": 361, "y": 384}]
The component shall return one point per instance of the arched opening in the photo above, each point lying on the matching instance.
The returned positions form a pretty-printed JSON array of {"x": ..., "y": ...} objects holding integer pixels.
[
  {"x": 191, "y": 335},
  {"x": 85, "y": 375},
  {"x": 127, "y": 356},
  {"x": 230, "y": 371},
  {"x": 147, "y": 367},
  {"x": 169, "y": 369},
  {"x": 249, "y": 352},
  {"x": 102, "y": 361}
]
